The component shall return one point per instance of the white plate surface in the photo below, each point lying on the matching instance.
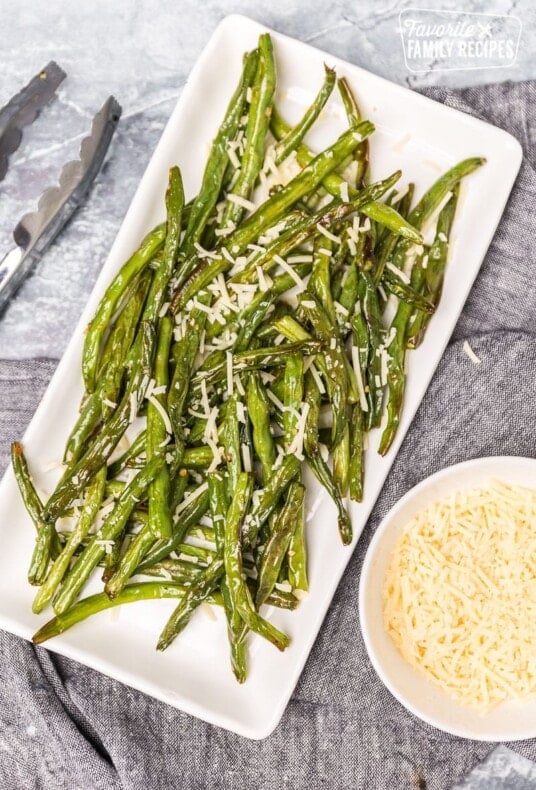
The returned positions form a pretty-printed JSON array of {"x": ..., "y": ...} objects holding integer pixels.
[{"x": 413, "y": 133}]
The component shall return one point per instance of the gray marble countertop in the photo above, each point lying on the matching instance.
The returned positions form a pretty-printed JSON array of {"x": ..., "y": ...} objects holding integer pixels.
[{"x": 142, "y": 52}]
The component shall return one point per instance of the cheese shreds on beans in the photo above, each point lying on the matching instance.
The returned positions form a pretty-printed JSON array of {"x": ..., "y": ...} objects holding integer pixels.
[{"x": 459, "y": 597}]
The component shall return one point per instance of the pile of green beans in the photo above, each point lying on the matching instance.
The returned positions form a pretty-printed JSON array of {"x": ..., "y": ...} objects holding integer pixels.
[{"x": 248, "y": 335}]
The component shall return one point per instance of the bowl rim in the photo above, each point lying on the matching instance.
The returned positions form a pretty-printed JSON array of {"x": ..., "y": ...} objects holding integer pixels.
[{"x": 370, "y": 555}]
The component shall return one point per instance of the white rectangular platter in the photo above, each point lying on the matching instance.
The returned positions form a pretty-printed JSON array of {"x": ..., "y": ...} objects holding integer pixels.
[{"x": 413, "y": 133}]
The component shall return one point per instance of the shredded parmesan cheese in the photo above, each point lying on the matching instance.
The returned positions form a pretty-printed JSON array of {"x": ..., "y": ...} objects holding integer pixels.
[
  {"x": 231, "y": 153},
  {"x": 325, "y": 232},
  {"x": 240, "y": 201},
  {"x": 107, "y": 545},
  {"x": 460, "y": 594},
  {"x": 246, "y": 457},
  {"x": 343, "y": 189},
  {"x": 289, "y": 270},
  {"x": 359, "y": 379},
  {"x": 163, "y": 413},
  {"x": 398, "y": 272},
  {"x": 471, "y": 354},
  {"x": 318, "y": 379}
]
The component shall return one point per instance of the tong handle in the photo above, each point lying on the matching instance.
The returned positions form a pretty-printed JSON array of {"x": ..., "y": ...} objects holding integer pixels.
[
  {"x": 36, "y": 231},
  {"x": 13, "y": 269},
  {"x": 24, "y": 108}
]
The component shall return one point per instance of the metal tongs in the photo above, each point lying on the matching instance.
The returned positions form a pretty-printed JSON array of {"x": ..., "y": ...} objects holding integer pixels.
[{"x": 35, "y": 231}]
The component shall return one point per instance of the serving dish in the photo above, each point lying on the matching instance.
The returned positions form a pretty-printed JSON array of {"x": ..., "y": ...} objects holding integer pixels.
[
  {"x": 510, "y": 721},
  {"x": 412, "y": 132}
]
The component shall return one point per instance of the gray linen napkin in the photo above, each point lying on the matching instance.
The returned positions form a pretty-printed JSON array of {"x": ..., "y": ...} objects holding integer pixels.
[{"x": 66, "y": 726}]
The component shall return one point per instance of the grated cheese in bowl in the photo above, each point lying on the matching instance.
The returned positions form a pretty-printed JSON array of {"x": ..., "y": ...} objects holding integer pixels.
[{"x": 459, "y": 596}]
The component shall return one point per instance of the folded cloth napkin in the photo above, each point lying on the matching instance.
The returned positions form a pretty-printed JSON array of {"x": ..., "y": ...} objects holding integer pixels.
[{"x": 66, "y": 726}]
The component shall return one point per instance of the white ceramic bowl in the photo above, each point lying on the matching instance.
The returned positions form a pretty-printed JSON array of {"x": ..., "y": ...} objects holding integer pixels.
[{"x": 510, "y": 721}]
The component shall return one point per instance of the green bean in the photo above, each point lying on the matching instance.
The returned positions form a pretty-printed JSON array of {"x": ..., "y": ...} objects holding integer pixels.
[
  {"x": 341, "y": 460},
  {"x": 259, "y": 414},
  {"x": 192, "y": 510},
  {"x": 140, "y": 545},
  {"x": 120, "y": 341},
  {"x": 435, "y": 270},
  {"x": 332, "y": 183},
  {"x": 131, "y": 457},
  {"x": 296, "y": 554},
  {"x": 193, "y": 597},
  {"x": 292, "y": 237},
  {"x": 396, "y": 285},
  {"x": 232, "y": 554},
  {"x": 357, "y": 469},
  {"x": 157, "y": 437},
  {"x": 78, "y": 476},
  {"x": 247, "y": 321},
  {"x": 257, "y": 128},
  {"x": 184, "y": 352},
  {"x": 29, "y": 495},
  {"x": 196, "y": 457},
  {"x": 143, "y": 591},
  {"x": 133, "y": 556},
  {"x": 302, "y": 184},
  {"x": 110, "y": 529},
  {"x": 61, "y": 564},
  {"x": 113, "y": 556},
  {"x": 101, "y": 403},
  {"x": 123, "y": 330},
  {"x": 361, "y": 154},
  {"x": 184, "y": 573},
  {"x": 349, "y": 294},
  {"x": 282, "y": 600},
  {"x": 99, "y": 323},
  {"x": 281, "y": 477},
  {"x": 390, "y": 218},
  {"x": 218, "y": 505},
  {"x": 205, "y": 532},
  {"x": 162, "y": 275},
  {"x": 322, "y": 472},
  {"x": 372, "y": 317},
  {"x": 388, "y": 240},
  {"x": 236, "y": 630},
  {"x": 320, "y": 280},
  {"x": 336, "y": 385},
  {"x": 90, "y": 414},
  {"x": 293, "y": 397},
  {"x": 279, "y": 541},
  {"x": 335, "y": 362},
  {"x": 438, "y": 191},
  {"x": 307, "y": 228},
  {"x": 312, "y": 397},
  {"x": 180, "y": 571},
  {"x": 418, "y": 216},
  {"x": 253, "y": 359},
  {"x": 114, "y": 487},
  {"x": 396, "y": 355},
  {"x": 230, "y": 441},
  {"x": 37, "y": 572},
  {"x": 290, "y": 328},
  {"x": 293, "y": 138},
  {"x": 178, "y": 489},
  {"x": 197, "y": 552},
  {"x": 218, "y": 157}
]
